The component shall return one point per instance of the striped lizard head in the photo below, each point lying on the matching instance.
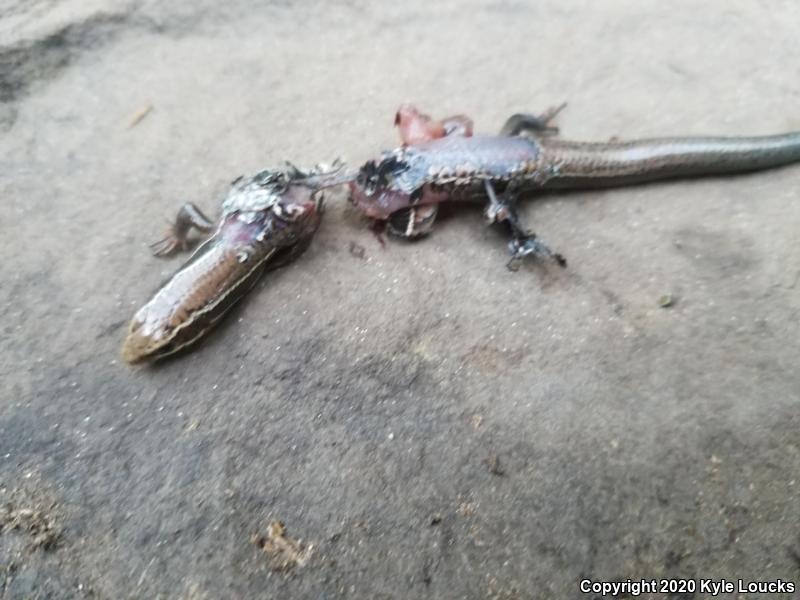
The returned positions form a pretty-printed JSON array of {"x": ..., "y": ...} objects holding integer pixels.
[{"x": 267, "y": 220}]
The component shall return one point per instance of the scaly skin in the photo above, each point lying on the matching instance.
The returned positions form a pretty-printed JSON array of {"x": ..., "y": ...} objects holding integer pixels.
[
  {"x": 267, "y": 220},
  {"x": 524, "y": 158}
]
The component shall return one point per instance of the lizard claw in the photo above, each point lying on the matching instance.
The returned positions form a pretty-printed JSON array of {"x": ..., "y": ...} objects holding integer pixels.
[
  {"x": 169, "y": 245},
  {"x": 529, "y": 245},
  {"x": 175, "y": 238}
]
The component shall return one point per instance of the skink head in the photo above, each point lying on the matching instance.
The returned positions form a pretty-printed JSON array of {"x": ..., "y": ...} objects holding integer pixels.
[{"x": 267, "y": 221}]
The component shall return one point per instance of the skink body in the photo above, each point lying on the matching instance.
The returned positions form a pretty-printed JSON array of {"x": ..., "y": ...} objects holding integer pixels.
[{"x": 417, "y": 176}]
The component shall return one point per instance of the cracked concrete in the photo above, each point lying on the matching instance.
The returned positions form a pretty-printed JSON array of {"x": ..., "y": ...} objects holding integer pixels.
[{"x": 432, "y": 424}]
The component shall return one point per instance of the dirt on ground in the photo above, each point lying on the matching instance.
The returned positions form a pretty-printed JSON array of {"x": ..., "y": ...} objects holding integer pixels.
[{"x": 408, "y": 420}]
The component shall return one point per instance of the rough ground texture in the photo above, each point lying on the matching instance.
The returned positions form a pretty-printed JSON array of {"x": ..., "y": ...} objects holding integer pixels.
[{"x": 434, "y": 425}]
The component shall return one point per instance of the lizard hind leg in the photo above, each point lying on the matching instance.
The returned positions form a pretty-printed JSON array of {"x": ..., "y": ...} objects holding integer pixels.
[
  {"x": 176, "y": 238},
  {"x": 524, "y": 243},
  {"x": 536, "y": 125}
]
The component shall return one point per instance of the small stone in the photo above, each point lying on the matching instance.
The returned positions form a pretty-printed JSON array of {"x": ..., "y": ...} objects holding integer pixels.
[{"x": 666, "y": 301}]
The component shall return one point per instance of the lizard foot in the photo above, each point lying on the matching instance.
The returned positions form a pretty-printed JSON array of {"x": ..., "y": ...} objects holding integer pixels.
[
  {"x": 525, "y": 243},
  {"x": 528, "y": 245},
  {"x": 536, "y": 125},
  {"x": 170, "y": 244},
  {"x": 189, "y": 217}
]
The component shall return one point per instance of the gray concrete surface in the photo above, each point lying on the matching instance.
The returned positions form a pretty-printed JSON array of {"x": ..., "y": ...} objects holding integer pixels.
[{"x": 362, "y": 401}]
